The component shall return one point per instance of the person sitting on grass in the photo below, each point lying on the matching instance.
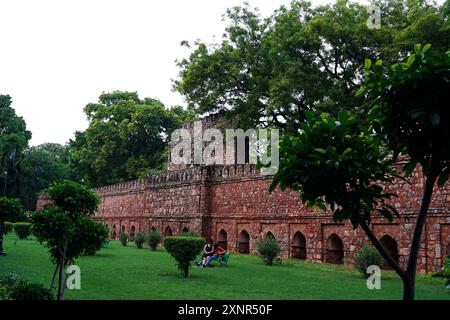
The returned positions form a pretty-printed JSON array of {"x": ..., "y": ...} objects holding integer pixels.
[{"x": 218, "y": 251}]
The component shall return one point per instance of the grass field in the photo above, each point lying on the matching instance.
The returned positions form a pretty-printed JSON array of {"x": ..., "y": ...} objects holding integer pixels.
[{"x": 119, "y": 272}]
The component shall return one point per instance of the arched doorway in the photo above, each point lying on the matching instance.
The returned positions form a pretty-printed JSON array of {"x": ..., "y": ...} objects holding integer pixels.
[
  {"x": 185, "y": 229},
  {"x": 448, "y": 249},
  {"x": 270, "y": 234},
  {"x": 299, "y": 246},
  {"x": 244, "y": 242},
  {"x": 335, "y": 250},
  {"x": 123, "y": 228},
  {"x": 153, "y": 228},
  {"x": 222, "y": 239},
  {"x": 132, "y": 233},
  {"x": 168, "y": 232},
  {"x": 390, "y": 245}
]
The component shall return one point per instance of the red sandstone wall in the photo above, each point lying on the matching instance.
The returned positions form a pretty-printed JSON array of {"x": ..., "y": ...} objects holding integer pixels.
[{"x": 235, "y": 198}]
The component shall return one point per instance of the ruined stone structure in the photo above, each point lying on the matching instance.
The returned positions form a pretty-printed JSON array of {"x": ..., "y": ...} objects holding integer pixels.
[{"x": 231, "y": 205}]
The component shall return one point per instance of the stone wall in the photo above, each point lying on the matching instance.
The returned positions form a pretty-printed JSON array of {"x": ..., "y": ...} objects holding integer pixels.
[{"x": 227, "y": 202}]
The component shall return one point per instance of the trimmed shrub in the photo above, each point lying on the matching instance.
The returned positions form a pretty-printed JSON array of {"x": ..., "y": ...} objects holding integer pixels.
[
  {"x": 153, "y": 239},
  {"x": 123, "y": 237},
  {"x": 8, "y": 227},
  {"x": 268, "y": 249},
  {"x": 22, "y": 229},
  {"x": 365, "y": 257},
  {"x": 184, "y": 250},
  {"x": 139, "y": 240}
]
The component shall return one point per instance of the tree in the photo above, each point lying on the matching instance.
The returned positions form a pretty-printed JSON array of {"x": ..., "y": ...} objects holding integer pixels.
[
  {"x": 270, "y": 71},
  {"x": 14, "y": 139},
  {"x": 410, "y": 112},
  {"x": 8, "y": 209},
  {"x": 66, "y": 227},
  {"x": 41, "y": 166},
  {"x": 338, "y": 164},
  {"x": 126, "y": 138}
]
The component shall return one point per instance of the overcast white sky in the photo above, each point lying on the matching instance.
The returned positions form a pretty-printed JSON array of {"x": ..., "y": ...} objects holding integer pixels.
[{"x": 56, "y": 56}]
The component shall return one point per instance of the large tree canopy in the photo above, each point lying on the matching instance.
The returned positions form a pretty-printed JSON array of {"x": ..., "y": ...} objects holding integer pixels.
[
  {"x": 14, "y": 139},
  {"x": 126, "y": 138},
  {"x": 41, "y": 166},
  {"x": 270, "y": 71}
]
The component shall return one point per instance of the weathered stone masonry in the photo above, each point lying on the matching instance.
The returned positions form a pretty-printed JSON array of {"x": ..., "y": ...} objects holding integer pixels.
[{"x": 231, "y": 205}]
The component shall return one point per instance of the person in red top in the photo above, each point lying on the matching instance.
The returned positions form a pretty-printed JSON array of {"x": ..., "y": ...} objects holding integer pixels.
[{"x": 218, "y": 251}]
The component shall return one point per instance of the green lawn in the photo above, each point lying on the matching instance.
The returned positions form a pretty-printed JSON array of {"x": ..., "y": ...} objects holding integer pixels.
[{"x": 119, "y": 272}]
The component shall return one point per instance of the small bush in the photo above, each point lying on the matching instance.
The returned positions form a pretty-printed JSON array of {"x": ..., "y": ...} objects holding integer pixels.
[
  {"x": 139, "y": 240},
  {"x": 365, "y": 257},
  {"x": 8, "y": 227},
  {"x": 184, "y": 250},
  {"x": 268, "y": 249},
  {"x": 153, "y": 239},
  {"x": 22, "y": 229},
  {"x": 13, "y": 288},
  {"x": 123, "y": 237},
  {"x": 9, "y": 279},
  {"x": 25, "y": 290}
]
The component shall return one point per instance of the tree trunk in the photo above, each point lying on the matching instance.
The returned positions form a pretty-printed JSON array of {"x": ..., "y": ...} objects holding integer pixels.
[
  {"x": 61, "y": 275},
  {"x": 52, "y": 283},
  {"x": 409, "y": 289}
]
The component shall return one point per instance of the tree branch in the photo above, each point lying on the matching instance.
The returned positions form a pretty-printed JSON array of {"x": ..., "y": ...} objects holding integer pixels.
[{"x": 384, "y": 253}]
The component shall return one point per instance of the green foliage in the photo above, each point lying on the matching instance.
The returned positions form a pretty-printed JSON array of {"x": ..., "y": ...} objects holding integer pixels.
[
  {"x": 41, "y": 166},
  {"x": 14, "y": 138},
  {"x": 365, "y": 257},
  {"x": 9, "y": 208},
  {"x": 73, "y": 198},
  {"x": 8, "y": 227},
  {"x": 22, "y": 229},
  {"x": 337, "y": 162},
  {"x": 14, "y": 288},
  {"x": 444, "y": 272},
  {"x": 65, "y": 226},
  {"x": 123, "y": 237},
  {"x": 126, "y": 138},
  {"x": 90, "y": 236},
  {"x": 303, "y": 57},
  {"x": 153, "y": 239},
  {"x": 25, "y": 290},
  {"x": 190, "y": 234},
  {"x": 139, "y": 240},
  {"x": 410, "y": 109},
  {"x": 268, "y": 249},
  {"x": 184, "y": 250}
]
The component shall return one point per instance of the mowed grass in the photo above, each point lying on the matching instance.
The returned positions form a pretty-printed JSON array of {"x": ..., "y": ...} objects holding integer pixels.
[{"x": 119, "y": 272}]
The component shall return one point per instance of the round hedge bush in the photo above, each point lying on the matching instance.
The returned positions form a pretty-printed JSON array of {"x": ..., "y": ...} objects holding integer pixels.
[
  {"x": 153, "y": 239},
  {"x": 365, "y": 257},
  {"x": 123, "y": 237},
  {"x": 184, "y": 249},
  {"x": 268, "y": 249},
  {"x": 22, "y": 229},
  {"x": 139, "y": 240}
]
